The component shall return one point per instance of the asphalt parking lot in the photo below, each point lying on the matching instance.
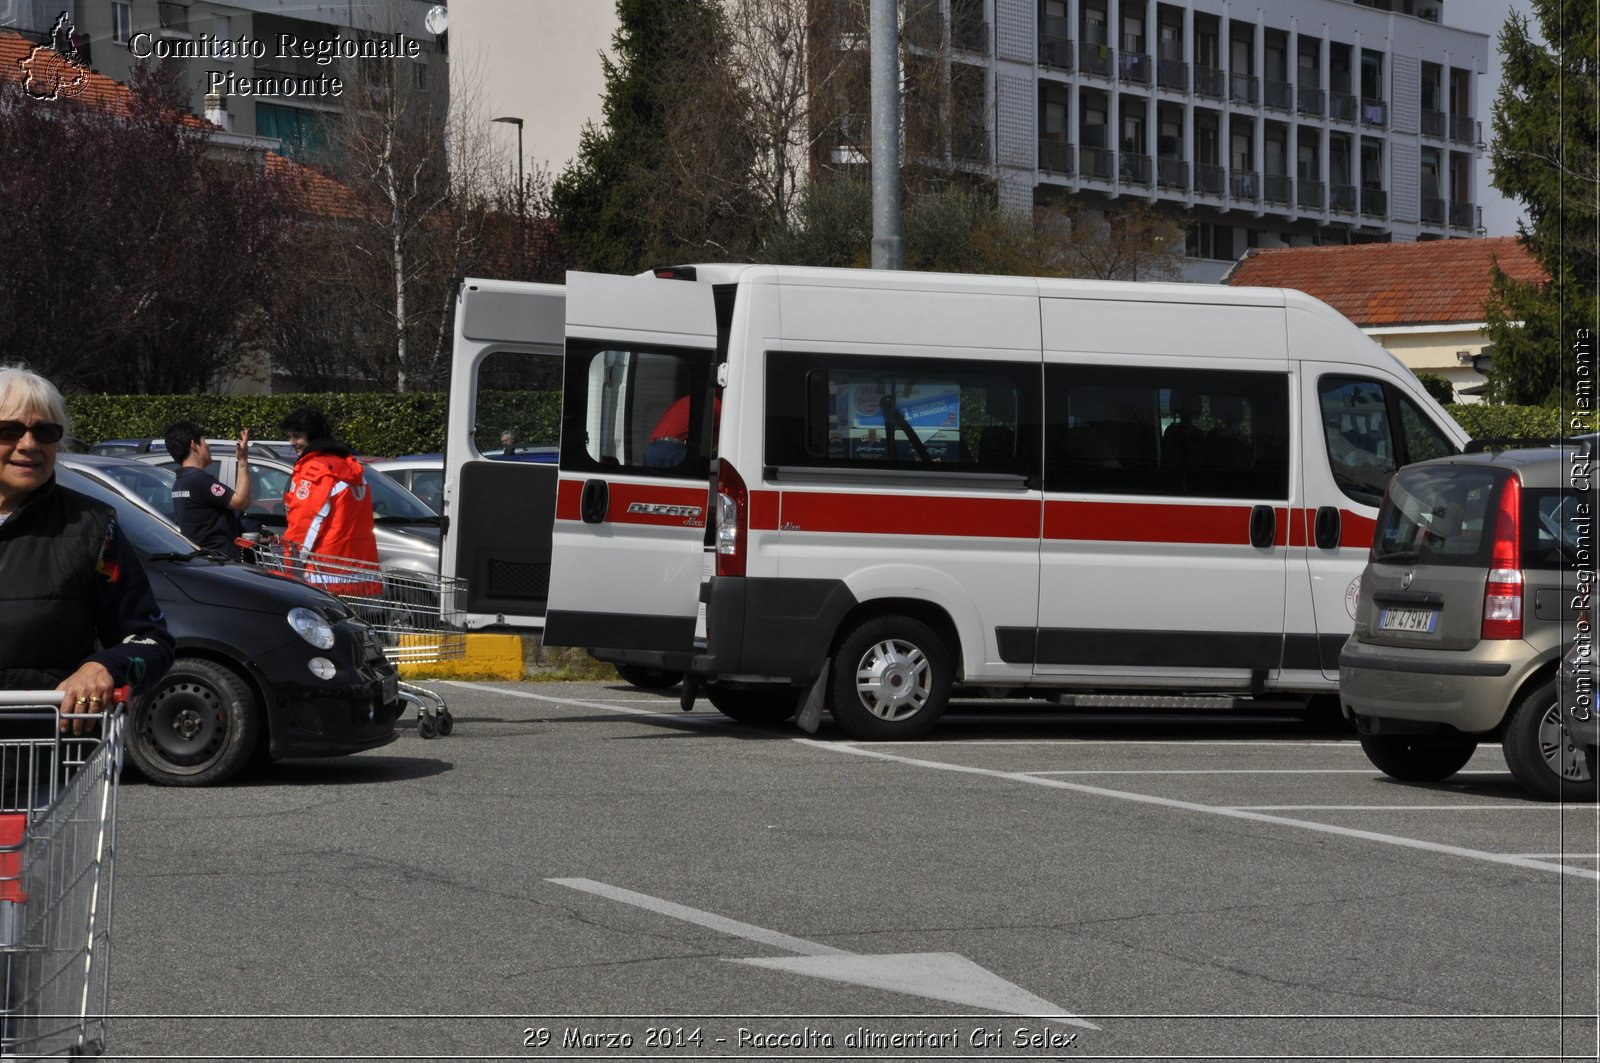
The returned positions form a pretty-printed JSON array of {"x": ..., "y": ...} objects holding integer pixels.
[{"x": 582, "y": 870}]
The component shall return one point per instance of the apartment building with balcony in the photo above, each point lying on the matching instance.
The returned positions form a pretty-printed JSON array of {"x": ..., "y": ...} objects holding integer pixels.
[
  {"x": 1318, "y": 122},
  {"x": 243, "y": 38}
]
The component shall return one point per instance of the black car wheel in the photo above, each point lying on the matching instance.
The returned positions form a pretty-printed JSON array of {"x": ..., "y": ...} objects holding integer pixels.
[
  {"x": 754, "y": 705},
  {"x": 198, "y": 727},
  {"x": 1539, "y": 752},
  {"x": 891, "y": 680},
  {"x": 648, "y": 678},
  {"x": 1419, "y": 758}
]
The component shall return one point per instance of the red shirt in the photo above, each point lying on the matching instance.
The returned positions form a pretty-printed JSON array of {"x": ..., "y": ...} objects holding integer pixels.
[{"x": 674, "y": 424}]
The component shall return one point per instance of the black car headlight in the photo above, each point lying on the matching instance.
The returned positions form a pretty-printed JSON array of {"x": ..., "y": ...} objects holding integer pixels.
[{"x": 312, "y": 626}]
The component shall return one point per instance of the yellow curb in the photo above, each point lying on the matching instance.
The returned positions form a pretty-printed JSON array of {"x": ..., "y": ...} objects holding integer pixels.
[{"x": 484, "y": 656}]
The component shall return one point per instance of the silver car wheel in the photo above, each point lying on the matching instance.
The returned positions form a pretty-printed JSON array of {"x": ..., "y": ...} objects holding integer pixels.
[
  {"x": 1563, "y": 755},
  {"x": 894, "y": 679}
]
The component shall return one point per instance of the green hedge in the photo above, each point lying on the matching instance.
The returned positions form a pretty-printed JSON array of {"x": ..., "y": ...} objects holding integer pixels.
[
  {"x": 370, "y": 423},
  {"x": 1483, "y": 420}
]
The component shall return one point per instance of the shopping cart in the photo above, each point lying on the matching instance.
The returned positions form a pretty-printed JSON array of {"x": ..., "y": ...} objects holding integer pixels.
[
  {"x": 420, "y": 617},
  {"x": 58, "y": 820}
]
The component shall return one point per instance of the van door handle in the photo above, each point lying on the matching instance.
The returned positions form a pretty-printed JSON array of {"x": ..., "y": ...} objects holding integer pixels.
[
  {"x": 1263, "y": 526},
  {"x": 594, "y": 501},
  {"x": 1327, "y": 528}
]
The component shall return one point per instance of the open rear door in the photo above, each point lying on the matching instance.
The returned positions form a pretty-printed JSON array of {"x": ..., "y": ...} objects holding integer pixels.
[
  {"x": 637, "y": 437},
  {"x": 499, "y": 500}
]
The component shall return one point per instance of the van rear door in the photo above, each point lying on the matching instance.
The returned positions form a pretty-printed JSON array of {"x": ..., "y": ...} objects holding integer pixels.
[
  {"x": 505, "y": 376},
  {"x": 637, "y": 435}
]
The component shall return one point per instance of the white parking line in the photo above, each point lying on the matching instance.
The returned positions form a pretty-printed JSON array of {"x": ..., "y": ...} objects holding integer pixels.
[
  {"x": 1561, "y": 856},
  {"x": 1228, "y": 771},
  {"x": 1216, "y": 810},
  {"x": 603, "y": 705},
  {"x": 1531, "y": 806}
]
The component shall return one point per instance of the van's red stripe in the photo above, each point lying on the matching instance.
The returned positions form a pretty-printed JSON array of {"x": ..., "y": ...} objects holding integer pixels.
[
  {"x": 764, "y": 510},
  {"x": 1356, "y": 530},
  {"x": 569, "y": 495},
  {"x": 1157, "y": 522},
  {"x": 874, "y": 514}
]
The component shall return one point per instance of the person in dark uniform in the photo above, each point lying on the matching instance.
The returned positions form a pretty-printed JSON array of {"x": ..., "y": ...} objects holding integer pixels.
[{"x": 207, "y": 510}]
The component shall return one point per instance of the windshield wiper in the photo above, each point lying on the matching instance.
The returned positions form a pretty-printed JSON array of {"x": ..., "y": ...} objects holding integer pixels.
[{"x": 171, "y": 555}]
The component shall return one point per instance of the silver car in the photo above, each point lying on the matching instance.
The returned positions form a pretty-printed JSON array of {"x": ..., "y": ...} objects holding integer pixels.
[{"x": 1469, "y": 602}]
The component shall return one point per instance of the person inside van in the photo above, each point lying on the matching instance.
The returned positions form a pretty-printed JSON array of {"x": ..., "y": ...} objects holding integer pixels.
[{"x": 669, "y": 439}]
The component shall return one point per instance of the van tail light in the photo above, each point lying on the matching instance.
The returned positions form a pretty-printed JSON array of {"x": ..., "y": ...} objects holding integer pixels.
[
  {"x": 1502, "y": 596},
  {"x": 733, "y": 520}
]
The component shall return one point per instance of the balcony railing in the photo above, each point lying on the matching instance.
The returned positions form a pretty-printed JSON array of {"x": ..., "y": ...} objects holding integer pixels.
[
  {"x": 1208, "y": 81},
  {"x": 1342, "y": 105},
  {"x": 1433, "y": 124},
  {"x": 1374, "y": 202},
  {"x": 1463, "y": 128},
  {"x": 1309, "y": 194},
  {"x": 1209, "y": 179},
  {"x": 1242, "y": 88},
  {"x": 1279, "y": 95},
  {"x": 1463, "y": 216},
  {"x": 1433, "y": 212},
  {"x": 1055, "y": 156},
  {"x": 1343, "y": 199},
  {"x": 1172, "y": 173},
  {"x": 969, "y": 35},
  {"x": 1279, "y": 188},
  {"x": 1312, "y": 100},
  {"x": 1133, "y": 169},
  {"x": 1055, "y": 52},
  {"x": 1172, "y": 74},
  {"x": 1134, "y": 67},
  {"x": 1097, "y": 162},
  {"x": 1096, "y": 59},
  {"x": 1244, "y": 184}
]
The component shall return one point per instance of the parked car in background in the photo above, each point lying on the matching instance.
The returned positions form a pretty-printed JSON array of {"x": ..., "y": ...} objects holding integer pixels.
[
  {"x": 267, "y": 667},
  {"x": 1466, "y": 608},
  {"x": 406, "y": 529},
  {"x": 150, "y": 485}
]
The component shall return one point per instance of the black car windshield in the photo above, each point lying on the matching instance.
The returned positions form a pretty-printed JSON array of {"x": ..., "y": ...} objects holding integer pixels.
[
  {"x": 1436, "y": 515},
  {"x": 148, "y": 533}
]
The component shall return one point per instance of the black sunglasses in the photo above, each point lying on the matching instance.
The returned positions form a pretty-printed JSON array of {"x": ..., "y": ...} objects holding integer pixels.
[{"x": 43, "y": 431}]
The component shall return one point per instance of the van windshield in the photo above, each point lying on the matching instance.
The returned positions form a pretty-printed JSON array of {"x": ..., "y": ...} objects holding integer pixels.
[{"x": 1437, "y": 515}]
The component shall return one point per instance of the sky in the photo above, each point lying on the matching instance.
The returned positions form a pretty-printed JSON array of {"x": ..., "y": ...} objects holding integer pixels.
[{"x": 1487, "y": 16}]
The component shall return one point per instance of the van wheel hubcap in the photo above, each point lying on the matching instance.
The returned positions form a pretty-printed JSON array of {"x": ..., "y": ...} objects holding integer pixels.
[
  {"x": 893, "y": 680},
  {"x": 1561, "y": 753}
]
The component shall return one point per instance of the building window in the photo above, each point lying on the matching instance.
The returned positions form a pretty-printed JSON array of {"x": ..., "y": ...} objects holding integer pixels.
[
  {"x": 303, "y": 133},
  {"x": 121, "y": 22}
]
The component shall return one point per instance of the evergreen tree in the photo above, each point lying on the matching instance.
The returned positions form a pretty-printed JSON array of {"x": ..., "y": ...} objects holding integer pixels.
[
  {"x": 1546, "y": 153},
  {"x": 667, "y": 175}
]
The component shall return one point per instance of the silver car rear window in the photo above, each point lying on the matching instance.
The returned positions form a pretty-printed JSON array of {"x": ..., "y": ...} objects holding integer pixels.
[{"x": 1437, "y": 515}]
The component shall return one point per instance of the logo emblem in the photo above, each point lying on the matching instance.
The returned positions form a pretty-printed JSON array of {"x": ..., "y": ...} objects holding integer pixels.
[
  {"x": 658, "y": 509},
  {"x": 218, "y": 490},
  {"x": 1405, "y": 581},
  {"x": 303, "y": 492},
  {"x": 56, "y": 69}
]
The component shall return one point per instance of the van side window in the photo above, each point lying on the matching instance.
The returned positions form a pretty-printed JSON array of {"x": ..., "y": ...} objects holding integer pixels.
[
  {"x": 516, "y": 401},
  {"x": 643, "y": 411},
  {"x": 928, "y": 414},
  {"x": 1170, "y": 432},
  {"x": 1360, "y": 439}
]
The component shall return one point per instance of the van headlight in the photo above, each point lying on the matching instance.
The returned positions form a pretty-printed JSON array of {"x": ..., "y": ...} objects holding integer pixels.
[{"x": 312, "y": 627}]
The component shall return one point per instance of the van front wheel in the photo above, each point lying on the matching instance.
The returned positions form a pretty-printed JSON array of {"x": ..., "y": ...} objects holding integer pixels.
[
  {"x": 891, "y": 679},
  {"x": 1419, "y": 757}
]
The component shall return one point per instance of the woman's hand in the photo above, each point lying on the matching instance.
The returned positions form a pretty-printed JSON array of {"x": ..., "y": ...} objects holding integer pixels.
[{"x": 84, "y": 691}]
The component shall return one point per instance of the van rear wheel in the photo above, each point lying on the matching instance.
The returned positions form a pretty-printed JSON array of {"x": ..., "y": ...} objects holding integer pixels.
[
  {"x": 1542, "y": 757},
  {"x": 1419, "y": 757},
  {"x": 891, "y": 679},
  {"x": 648, "y": 678}
]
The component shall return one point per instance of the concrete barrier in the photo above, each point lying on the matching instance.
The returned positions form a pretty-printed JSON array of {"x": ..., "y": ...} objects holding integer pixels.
[{"x": 486, "y": 657}]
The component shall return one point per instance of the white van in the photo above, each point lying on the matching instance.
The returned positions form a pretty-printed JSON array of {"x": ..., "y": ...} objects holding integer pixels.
[{"x": 870, "y": 489}]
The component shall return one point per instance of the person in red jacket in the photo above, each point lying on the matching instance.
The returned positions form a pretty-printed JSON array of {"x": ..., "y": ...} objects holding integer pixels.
[{"x": 330, "y": 509}]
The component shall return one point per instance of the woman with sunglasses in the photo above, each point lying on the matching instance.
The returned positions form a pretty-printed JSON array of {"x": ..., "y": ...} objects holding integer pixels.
[{"x": 76, "y": 611}]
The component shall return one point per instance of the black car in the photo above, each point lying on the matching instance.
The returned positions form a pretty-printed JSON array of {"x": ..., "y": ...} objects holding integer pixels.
[{"x": 267, "y": 667}]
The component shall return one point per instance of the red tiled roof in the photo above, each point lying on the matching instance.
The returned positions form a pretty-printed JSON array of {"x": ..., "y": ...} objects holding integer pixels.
[
  {"x": 21, "y": 59},
  {"x": 1431, "y": 282}
]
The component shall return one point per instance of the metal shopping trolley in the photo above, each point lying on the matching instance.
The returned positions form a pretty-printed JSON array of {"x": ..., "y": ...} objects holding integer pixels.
[
  {"x": 58, "y": 819},
  {"x": 420, "y": 617}
]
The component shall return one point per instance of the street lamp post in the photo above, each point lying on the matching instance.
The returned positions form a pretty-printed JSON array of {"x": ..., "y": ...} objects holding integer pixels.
[{"x": 522, "y": 216}]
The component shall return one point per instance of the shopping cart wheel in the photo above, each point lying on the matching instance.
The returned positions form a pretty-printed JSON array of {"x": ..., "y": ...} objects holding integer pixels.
[
  {"x": 427, "y": 726},
  {"x": 447, "y": 723}
]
